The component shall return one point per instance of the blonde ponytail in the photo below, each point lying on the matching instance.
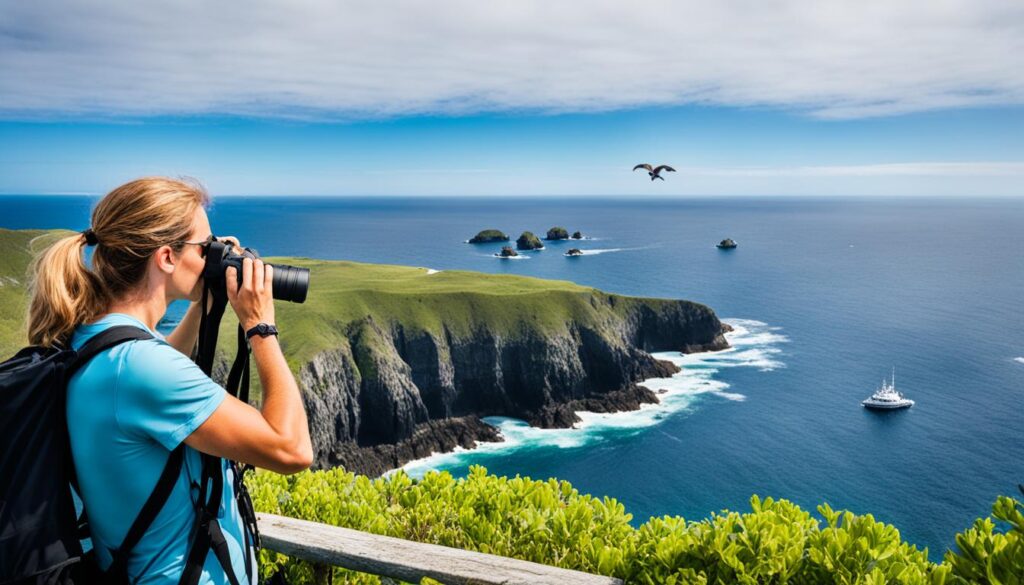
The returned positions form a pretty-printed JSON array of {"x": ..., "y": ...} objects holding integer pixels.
[
  {"x": 64, "y": 292},
  {"x": 128, "y": 225}
]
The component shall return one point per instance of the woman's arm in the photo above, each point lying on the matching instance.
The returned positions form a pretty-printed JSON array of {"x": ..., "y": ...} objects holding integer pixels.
[
  {"x": 184, "y": 336},
  {"x": 276, "y": 437}
]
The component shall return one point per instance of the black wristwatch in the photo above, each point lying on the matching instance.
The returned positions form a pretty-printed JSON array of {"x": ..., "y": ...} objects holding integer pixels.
[{"x": 261, "y": 329}]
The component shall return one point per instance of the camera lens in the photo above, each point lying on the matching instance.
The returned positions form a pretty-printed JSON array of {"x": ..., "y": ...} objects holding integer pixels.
[{"x": 290, "y": 283}]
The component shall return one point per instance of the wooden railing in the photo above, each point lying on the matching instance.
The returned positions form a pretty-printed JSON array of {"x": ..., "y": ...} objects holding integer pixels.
[{"x": 405, "y": 560}]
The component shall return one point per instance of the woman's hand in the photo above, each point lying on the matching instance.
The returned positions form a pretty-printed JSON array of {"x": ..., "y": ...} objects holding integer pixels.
[{"x": 253, "y": 301}]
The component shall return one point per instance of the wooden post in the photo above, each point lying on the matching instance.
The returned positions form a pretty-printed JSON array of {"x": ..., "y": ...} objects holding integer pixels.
[{"x": 323, "y": 574}]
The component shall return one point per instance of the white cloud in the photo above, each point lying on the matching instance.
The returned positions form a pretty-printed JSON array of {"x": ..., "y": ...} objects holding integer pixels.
[{"x": 324, "y": 59}]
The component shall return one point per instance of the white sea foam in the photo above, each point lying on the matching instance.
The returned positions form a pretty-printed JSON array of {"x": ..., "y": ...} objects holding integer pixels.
[
  {"x": 596, "y": 251},
  {"x": 499, "y": 257},
  {"x": 754, "y": 345},
  {"x": 732, "y": 396},
  {"x": 1019, "y": 360},
  {"x": 432, "y": 271}
]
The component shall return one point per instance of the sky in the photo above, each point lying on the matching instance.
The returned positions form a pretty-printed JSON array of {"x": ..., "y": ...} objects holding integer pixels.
[{"x": 901, "y": 97}]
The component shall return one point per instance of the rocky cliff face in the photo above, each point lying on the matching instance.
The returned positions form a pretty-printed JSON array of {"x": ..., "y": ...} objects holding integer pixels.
[{"x": 388, "y": 395}]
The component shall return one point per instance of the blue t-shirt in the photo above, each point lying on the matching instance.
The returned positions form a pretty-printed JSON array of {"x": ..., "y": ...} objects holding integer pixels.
[{"x": 128, "y": 408}]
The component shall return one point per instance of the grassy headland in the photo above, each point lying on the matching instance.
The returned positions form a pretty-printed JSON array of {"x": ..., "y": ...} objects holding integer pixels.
[
  {"x": 343, "y": 293},
  {"x": 411, "y": 358}
]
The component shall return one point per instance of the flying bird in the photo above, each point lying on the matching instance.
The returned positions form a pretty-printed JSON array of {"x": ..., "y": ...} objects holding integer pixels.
[{"x": 655, "y": 172}]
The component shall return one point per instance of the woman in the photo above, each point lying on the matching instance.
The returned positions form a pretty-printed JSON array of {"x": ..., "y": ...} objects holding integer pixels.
[{"x": 131, "y": 405}]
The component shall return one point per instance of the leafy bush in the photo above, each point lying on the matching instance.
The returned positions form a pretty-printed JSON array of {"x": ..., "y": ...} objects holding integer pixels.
[
  {"x": 991, "y": 557},
  {"x": 550, "y": 522}
]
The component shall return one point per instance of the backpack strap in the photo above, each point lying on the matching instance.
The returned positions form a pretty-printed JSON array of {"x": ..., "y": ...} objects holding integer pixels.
[
  {"x": 164, "y": 486},
  {"x": 207, "y": 534}
]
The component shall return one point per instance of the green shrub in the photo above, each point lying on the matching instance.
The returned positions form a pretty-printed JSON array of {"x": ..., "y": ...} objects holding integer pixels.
[
  {"x": 991, "y": 557},
  {"x": 550, "y": 522}
]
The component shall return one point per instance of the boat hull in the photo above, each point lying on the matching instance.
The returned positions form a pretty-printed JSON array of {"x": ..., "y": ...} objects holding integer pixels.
[{"x": 896, "y": 406}]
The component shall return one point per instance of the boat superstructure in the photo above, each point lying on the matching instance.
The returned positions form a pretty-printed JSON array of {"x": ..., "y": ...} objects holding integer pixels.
[{"x": 887, "y": 397}]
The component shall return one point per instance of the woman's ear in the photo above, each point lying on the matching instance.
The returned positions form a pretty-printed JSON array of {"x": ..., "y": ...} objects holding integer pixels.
[{"x": 165, "y": 258}]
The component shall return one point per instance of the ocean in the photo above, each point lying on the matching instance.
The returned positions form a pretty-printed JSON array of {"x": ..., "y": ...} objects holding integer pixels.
[{"x": 827, "y": 296}]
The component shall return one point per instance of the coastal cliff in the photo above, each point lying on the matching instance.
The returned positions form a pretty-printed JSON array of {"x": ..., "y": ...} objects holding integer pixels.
[
  {"x": 416, "y": 358},
  {"x": 395, "y": 362},
  {"x": 422, "y": 391}
]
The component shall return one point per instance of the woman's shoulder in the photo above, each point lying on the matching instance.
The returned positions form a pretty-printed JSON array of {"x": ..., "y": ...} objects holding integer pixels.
[
  {"x": 148, "y": 361},
  {"x": 86, "y": 331},
  {"x": 153, "y": 361}
]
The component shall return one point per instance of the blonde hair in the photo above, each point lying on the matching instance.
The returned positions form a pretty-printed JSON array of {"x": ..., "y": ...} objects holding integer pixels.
[{"x": 129, "y": 224}]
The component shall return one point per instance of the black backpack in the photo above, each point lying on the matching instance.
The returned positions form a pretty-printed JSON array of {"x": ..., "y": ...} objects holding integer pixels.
[{"x": 40, "y": 530}]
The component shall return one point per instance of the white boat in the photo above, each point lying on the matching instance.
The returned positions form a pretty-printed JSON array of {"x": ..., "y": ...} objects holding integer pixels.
[{"x": 887, "y": 398}]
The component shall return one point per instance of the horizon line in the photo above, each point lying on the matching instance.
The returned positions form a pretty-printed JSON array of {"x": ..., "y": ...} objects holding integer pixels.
[{"x": 554, "y": 195}]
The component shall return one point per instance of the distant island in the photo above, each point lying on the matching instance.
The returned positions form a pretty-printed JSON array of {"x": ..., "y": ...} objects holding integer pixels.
[
  {"x": 396, "y": 362},
  {"x": 727, "y": 244},
  {"x": 488, "y": 236},
  {"x": 557, "y": 233},
  {"x": 528, "y": 241}
]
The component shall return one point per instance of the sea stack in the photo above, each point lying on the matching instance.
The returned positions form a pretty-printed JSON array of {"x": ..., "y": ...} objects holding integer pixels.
[
  {"x": 528, "y": 241},
  {"x": 558, "y": 233},
  {"x": 507, "y": 252},
  {"x": 574, "y": 252},
  {"x": 488, "y": 236},
  {"x": 727, "y": 244},
  {"x": 576, "y": 235}
]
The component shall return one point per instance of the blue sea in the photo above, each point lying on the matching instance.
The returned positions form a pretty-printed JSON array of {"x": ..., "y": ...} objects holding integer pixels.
[{"x": 827, "y": 297}]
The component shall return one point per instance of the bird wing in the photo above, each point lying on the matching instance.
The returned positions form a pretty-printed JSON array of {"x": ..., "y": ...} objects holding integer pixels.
[
  {"x": 664, "y": 167},
  {"x": 644, "y": 166}
]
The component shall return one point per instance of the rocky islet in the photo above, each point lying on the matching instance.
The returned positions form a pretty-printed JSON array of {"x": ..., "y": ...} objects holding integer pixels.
[
  {"x": 489, "y": 236},
  {"x": 528, "y": 241}
]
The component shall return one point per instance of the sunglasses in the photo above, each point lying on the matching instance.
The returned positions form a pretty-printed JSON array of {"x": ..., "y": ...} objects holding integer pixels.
[{"x": 204, "y": 244}]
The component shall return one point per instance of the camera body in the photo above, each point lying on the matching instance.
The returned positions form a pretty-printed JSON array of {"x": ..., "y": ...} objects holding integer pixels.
[{"x": 290, "y": 283}]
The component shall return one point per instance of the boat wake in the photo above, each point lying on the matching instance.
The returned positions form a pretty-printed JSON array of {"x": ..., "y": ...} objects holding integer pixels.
[
  {"x": 1019, "y": 360},
  {"x": 754, "y": 345},
  {"x": 596, "y": 251},
  {"x": 601, "y": 251}
]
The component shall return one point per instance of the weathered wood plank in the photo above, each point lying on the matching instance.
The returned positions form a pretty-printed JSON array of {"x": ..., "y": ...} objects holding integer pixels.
[{"x": 408, "y": 560}]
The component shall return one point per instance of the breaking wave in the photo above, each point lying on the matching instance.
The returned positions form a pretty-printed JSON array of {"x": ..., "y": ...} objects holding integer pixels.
[{"x": 754, "y": 345}]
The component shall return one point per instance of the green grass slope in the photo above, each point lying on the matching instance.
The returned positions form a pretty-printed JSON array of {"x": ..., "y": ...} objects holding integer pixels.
[
  {"x": 342, "y": 293},
  {"x": 17, "y": 248}
]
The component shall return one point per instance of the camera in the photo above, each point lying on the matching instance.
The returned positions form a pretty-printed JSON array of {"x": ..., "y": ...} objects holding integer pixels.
[{"x": 291, "y": 283}]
